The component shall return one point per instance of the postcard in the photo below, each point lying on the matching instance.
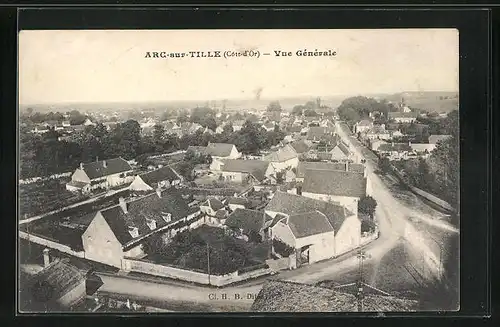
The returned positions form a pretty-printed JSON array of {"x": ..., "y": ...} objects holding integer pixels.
[{"x": 238, "y": 171}]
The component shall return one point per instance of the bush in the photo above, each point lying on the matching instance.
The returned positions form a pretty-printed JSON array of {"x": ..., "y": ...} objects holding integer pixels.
[
  {"x": 282, "y": 248},
  {"x": 367, "y": 225}
]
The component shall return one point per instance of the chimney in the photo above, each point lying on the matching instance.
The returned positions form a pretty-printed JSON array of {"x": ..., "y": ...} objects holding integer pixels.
[
  {"x": 123, "y": 204},
  {"x": 96, "y": 158},
  {"x": 158, "y": 191},
  {"x": 81, "y": 165},
  {"x": 409, "y": 143},
  {"x": 46, "y": 257},
  {"x": 347, "y": 166},
  {"x": 392, "y": 144},
  {"x": 104, "y": 164}
]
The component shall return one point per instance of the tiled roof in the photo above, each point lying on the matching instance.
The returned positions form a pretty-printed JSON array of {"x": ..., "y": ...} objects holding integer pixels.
[
  {"x": 309, "y": 223},
  {"x": 155, "y": 176},
  {"x": 291, "y": 204},
  {"x": 248, "y": 220},
  {"x": 221, "y": 213},
  {"x": 197, "y": 149},
  {"x": 219, "y": 149},
  {"x": 213, "y": 203},
  {"x": 364, "y": 122},
  {"x": 257, "y": 168},
  {"x": 433, "y": 139},
  {"x": 61, "y": 277},
  {"x": 237, "y": 200},
  {"x": 284, "y": 154},
  {"x": 113, "y": 166},
  {"x": 151, "y": 207},
  {"x": 285, "y": 296},
  {"x": 389, "y": 147},
  {"x": 318, "y": 132},
  {"x": 300, "y": 146},
  {"x": 340, "y": 183},
  {"x": 304, "y": 165}
]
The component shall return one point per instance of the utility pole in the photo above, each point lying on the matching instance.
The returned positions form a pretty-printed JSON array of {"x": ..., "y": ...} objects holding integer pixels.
[
  {"x": 208, "y": 263},
  {"x": 361, "y": 256}
]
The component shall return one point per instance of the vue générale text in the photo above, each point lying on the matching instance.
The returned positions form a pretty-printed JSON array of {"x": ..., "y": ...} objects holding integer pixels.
[{"x": 240, "y": 53}]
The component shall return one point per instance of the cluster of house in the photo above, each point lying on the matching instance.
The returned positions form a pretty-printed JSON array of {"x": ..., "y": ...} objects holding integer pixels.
[
  {"x": 315, "y": 213},
  {"x": 63, "y": 127},
  {"x": 381, "y": 140}
]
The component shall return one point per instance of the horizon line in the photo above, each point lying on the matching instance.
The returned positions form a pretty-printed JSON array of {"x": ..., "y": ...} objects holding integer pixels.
[{"x": 234, "y": 99}]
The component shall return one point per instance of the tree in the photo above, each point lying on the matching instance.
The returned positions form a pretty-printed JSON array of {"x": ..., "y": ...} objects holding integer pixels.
[
  {"x": 384, "y": 164},
  {"x": 228, "y": 128},
  {"x": 367, "y": 205},
  {"x": 310, "y": 113},
  {"x": 158, "y": 133},
  {"x": 297, "y": 110},
  {"x": 183, "y": 117},
  {"x": 274, "y": 106}
]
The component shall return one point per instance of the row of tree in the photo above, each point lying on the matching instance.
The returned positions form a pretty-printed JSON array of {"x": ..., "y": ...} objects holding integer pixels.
[
  {"x": 43, "y": 155},
  {"x": 439, "y": 173},
  {"x": 74, "y": 117},
  {"x": 356, "y": 108}
]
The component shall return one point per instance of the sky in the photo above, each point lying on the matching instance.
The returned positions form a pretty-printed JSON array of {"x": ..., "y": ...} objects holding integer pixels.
[{"x": 111, "y": 65}]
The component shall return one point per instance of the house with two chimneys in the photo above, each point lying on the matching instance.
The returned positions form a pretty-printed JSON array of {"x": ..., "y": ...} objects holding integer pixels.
[
  {"x": 163, "y": 178},
  {"x": 119, "y": 231},
  {"x": 100, "y": 174},
  {"x": 316, "y": 229}
]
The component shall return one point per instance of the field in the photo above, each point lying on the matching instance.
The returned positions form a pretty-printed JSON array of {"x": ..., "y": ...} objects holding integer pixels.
[
  {"x": 46, "y": 196},
  {"x": 441, "y": 102}
]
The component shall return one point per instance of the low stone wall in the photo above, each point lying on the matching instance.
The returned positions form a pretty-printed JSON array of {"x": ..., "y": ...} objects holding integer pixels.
[
  {"x": 429, "y": 197},
  {"x": 150, "y": 268},
  {"x": 50, "y": 244}
]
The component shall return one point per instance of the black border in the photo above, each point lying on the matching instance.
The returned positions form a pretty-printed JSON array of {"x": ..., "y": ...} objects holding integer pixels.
[{"x": 474, "y": 101}]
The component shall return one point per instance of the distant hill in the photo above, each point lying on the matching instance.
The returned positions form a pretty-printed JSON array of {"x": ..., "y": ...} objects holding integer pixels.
[
  {"x": 231, "y": 104},
  {"x": 441, "y": 102}
]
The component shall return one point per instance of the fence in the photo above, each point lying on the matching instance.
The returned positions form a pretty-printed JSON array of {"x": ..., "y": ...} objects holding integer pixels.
[
  {"x": 166, "y": 154},
  {"x": 150, "y": 268}
]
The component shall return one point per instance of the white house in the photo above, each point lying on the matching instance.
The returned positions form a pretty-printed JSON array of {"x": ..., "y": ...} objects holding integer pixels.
[
  {"x": 118, "y": 231},
  {"x": 395, "y": 151},
  {"x": 211, "y": 206},
  {"x": 362, "y": 126},
  {"x": 434, "y": 139},
  {"x": 88, "y": 122},
  {"x": 240, "y": 171},
  {"x": 403, "y": 117},
  {"x": 284, "y": 158},
  {"x": 234, "y": 203},
  {"x": 100, "y": 174},
  {"x": 308, "y": 165},
  {"x": 344, "y": 187},
  {"x": 222, "y": 151},
  {"x": 317, "y": 229},
  {"x": 163, "y": 178}
]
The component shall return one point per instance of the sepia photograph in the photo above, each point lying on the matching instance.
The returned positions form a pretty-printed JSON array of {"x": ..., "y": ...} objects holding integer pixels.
[{"x": 199, "y": 171}]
